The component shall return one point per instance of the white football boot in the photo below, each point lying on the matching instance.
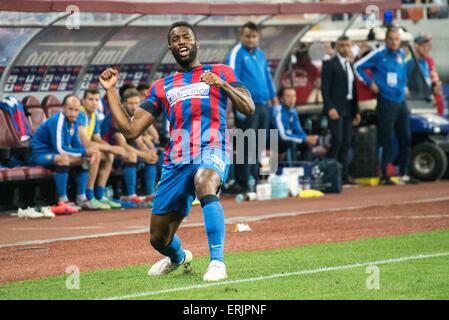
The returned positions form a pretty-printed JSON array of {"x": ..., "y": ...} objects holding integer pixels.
[
  {"x": 47, "y": 213},
  {"x": 165, "y": 265},
  {"x": 216, "y": 271},
  {"x": 29, "y": 213}
]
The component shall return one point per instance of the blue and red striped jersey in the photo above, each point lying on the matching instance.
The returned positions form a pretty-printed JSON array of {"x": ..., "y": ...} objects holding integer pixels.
[
  {"x": 196, "y": 111},
  {"x": 108, "y": 129}
]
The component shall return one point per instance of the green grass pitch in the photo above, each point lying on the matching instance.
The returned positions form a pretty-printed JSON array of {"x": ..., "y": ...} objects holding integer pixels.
[{"x": 327, "y": 271}]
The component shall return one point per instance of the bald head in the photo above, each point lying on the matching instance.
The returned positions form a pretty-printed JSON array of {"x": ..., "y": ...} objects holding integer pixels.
[{"x": 71, "y": 107}]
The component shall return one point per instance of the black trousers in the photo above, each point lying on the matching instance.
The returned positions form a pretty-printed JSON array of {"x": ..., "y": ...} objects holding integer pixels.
[
  {"x": 290, "y": 148},
  {"x": 394, "y": 118},
  {"x": 259, "y": 120},
  {"x": 341, "y": 134}
]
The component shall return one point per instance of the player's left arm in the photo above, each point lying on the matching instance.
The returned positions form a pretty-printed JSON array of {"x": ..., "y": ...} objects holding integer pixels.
[{"x": 239, "y": 95}]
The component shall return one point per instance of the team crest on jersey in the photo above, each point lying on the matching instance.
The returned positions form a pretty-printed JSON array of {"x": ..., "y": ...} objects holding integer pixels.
[
  {"x": 192, "y": 91},
  {"x": 48, "y": 157},
  {"x": 72, "y": 131}
]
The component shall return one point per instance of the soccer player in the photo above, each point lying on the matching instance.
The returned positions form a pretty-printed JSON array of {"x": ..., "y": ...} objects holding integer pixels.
[
  {"x": 143, "y": 145},
  {"x": 89, "y": 132},
  {"x": 56, "y": 145},
  {"x": 194, "y": 101},
  {"x": 113, "y": 136}
]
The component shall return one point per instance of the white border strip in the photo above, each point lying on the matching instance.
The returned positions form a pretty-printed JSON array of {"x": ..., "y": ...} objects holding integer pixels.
[
  {"x": 231, "y": 220},
  {"x": 282, "y": 275}
]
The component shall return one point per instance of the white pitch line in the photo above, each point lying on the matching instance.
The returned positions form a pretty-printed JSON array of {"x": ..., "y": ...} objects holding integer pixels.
[
  {"x": 231, "y": 220},
  {"x": 56, "y": 228},
  {"x": 282, "y": 275},
  {"x": 435, "y": 216}
]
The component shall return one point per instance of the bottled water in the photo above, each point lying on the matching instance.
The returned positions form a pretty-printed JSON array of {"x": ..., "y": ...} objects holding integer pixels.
[
  {"x": 240, "y": 198},
  {"x": 252, "y": 184},
  {"x": 250, "y": 196}
]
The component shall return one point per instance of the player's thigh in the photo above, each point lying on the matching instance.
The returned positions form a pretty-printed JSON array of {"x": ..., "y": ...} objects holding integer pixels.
[
  {"x": 44, "y": 159},
  {"x": 207, "y": 181},
  {"x": 211, "y": 172},
  {"x": 175, "y": 191}
]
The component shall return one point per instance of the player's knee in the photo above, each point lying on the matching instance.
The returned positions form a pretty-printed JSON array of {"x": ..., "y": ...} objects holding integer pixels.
[
  {"x": 131, "y": 157},
  {"x": 159, "y": 241},
  {"x": 109, "y": 158},
  {"x": 97, "y": 154}
]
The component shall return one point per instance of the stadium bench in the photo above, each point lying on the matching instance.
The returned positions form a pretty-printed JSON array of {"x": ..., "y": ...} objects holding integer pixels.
[
  {"x": 20, "y": 185},
  {"x": 36, "y": 113},
  {"x": 51, "y": 105}
]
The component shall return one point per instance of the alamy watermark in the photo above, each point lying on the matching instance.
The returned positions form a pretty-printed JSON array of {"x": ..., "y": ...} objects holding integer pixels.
[
  {"x": 372, "y": 16},
  {"x": 373, "y": 280},
  {"x": 72, "y": 281},
  {"x": 219, "y": 148},
  {"x": 73, "y": 20}
]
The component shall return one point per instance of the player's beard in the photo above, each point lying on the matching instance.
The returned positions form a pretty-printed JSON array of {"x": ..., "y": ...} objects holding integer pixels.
[{"x": 186, "y": 62}]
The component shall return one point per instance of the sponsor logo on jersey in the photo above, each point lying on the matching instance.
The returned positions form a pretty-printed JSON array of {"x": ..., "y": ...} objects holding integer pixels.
[{"x": 191, "y": 91}]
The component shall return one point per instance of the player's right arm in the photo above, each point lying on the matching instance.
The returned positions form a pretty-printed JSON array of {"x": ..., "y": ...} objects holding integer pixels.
[{"x": 131, "y": 127}]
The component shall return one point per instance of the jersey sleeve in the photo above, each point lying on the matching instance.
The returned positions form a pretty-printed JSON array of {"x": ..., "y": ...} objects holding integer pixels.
[
  {"x": 82, "y": 119},
  {"x": 152, "y": 103},
  {"x": 270, "y": 83},
  {"x": 228, "y": 74}
]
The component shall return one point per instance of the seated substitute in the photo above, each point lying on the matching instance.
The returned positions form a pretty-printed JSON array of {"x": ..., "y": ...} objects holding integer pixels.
[
  {"x": 112, "y": 135},
  {"x": 89, "y": 132},
  {"x": 292, "y": 137},
  {"x": 144, "y": 144},
  {"x": 56, "y": 145}
]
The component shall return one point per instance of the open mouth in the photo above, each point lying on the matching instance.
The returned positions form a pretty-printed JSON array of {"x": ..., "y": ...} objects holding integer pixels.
[{"x": 184, "y": 52}]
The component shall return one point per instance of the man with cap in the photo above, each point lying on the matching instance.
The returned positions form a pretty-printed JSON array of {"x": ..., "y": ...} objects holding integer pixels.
[{"x": 419, "y": 86}]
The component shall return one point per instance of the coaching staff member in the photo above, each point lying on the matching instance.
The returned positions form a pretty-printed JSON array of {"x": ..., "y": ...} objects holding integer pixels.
[
  {"x": 390, "y": 80},
  {"x": 340, "y": 103},
  {"x": 251, "y": 67}
]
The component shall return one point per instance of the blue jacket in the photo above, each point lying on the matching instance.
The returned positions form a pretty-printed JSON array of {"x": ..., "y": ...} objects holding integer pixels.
[
  {"x": 253, "y": 71},
  {"x": 389, "y": 70},
  {"x": 57, "y": 135},
  {"x": 286, "y": 120}
]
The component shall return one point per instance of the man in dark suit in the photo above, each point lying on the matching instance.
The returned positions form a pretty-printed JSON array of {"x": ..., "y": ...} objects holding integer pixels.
[{"x": 340, "y": 103}]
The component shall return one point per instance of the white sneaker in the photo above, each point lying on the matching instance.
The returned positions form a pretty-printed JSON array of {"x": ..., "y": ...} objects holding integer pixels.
[
  {"x": 47, "y": 213},
  {"x": 29, "y": 213},
  {"x": 165, "y": 265},
  {"x": 407, "y": 180},
  {"x": 216, "y": 271}
]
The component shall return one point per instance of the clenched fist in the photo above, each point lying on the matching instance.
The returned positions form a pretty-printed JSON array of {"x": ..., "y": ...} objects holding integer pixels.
[
  {"x": 212, "y": 79},
  {"x": 109, "y": 78}
]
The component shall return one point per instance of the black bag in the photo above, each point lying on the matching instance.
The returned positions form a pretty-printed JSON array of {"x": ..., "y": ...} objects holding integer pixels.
[{"x": 327, "y": 176}]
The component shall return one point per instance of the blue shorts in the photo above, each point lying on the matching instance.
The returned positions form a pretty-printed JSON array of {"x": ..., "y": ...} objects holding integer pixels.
[
  {"x": 42, "y": 159},
  {"x": 176, "y": 189}
]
